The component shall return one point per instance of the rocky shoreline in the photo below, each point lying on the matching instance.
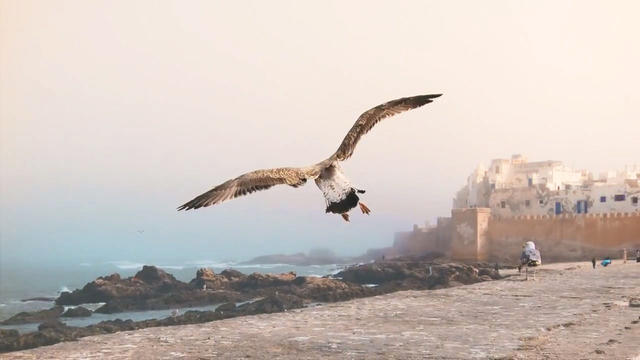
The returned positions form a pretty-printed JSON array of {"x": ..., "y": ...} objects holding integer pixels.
[{"x": 152, "y": 288}]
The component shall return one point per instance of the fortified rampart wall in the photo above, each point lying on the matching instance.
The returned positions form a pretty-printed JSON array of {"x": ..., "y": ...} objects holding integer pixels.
[
  {"x": 473, "y": 234},
  {"x": 565, "y": 237}
]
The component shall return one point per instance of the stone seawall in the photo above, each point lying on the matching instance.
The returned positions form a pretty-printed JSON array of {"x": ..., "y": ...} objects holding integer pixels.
[
  {"x": 475, "y": 234},
  {"x": 565, "y": 237}
]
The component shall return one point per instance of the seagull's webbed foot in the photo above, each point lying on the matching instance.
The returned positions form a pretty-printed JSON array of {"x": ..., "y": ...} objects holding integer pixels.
[
  {"x": 364, "y": 208},
  {"x": 345, "y": 216}
]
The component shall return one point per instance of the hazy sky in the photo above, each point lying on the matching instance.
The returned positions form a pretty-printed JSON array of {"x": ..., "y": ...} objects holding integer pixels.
[{"x": 113, "y": 113}]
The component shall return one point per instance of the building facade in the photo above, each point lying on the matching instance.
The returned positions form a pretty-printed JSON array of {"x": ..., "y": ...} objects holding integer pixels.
[{"x": 513, "y": 187}]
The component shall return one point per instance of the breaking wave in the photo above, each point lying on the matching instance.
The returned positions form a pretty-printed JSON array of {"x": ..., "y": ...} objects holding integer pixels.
[
  {"x": 211, "y": 263},
  {"x": 130, "y": 265},
  {"x": 126, "y": 265},
  {"x": 171, "y": 267},
  {"x": 62, "y": 289},
  {"x": 320, "y": 270}
]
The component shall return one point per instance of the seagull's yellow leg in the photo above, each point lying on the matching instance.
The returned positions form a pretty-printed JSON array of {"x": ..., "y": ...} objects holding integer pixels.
[
  {"x": 364, "y": 208},
  {"x": 345, "y": 216}
]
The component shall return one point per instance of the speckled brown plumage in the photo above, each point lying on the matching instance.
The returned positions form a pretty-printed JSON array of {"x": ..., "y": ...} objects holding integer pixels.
[
  {"x": 371, "y": 117},
  {"x": 264, "y": 179},
  {"x": 248, "y": 183}
]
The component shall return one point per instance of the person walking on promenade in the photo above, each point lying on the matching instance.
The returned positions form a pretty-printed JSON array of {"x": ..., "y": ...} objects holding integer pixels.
[{"x": 593, "y": 262}]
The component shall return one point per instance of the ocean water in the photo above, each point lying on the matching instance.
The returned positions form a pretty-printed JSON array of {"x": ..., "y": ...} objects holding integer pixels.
[{"x": 19, "y": 282}]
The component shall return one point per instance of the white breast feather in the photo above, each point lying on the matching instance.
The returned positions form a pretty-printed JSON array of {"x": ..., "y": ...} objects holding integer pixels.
[{"x": 334, "y": 185}]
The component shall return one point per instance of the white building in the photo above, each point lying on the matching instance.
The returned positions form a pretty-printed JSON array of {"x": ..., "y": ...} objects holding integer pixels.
[{"x": 518, "y": 187}]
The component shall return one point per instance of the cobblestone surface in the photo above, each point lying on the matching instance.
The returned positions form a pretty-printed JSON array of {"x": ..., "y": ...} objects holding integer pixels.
[{"x": 569, "y": 312}]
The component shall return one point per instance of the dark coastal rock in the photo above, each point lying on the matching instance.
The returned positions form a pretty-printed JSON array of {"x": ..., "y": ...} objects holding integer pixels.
[
  {"x": 191, "y": 317},
  {"x": 154, "y": 276},
  {"x": 233, "y": 275},
  {"x": 375, "y": 273},
  {"x": 490, "y": 272},
  {"x": 226, "y": 307},
  {"x": 102, "y": 289},
  {"x": 111, "y": 326},
  {"x": 116, "y": 306},
  {"x": 326, "y": 289},
  {"x": 78, "y": 311},
  {"x": 39, "y": 298},
  {"x": 34, "y": 316},
  {"x": 150, "y": 288},
  {"x": 49, "y": 333},
  {"x": 113, "y": 277},
  {"x": 52, "y": 332},
  {"x": 9, "y": 339},
  {"x": 54, "y": 324},
  {"x": 258, "y": 281},
  {"x": 452, "y": 274},
  {"x": 205, "y": 273},
  {"x": 271, "y": 304},
  {"x": 196, "y": 298},
  {"x": 153, "y": 288},
  {"x": 8, "y": 333},
  {"x": 404, "y": 275},
  {"x": 10, "y": 342},
  {"x": 207, "y": 279},
  {"x": 185, "y": 298}
]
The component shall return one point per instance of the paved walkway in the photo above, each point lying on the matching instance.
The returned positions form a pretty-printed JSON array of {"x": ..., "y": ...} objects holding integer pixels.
[{"x": 570, "y": 312}]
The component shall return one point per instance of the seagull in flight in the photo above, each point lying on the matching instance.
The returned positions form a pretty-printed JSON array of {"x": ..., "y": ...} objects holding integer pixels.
[{"x": 340, "y": 195}]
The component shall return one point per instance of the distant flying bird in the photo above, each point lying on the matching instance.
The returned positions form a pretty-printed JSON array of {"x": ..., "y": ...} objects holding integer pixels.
[{"x": 340, "y": 195}]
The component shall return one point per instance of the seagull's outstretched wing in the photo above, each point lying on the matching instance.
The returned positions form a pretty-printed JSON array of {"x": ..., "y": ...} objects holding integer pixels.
[
  {"x": 248, "y": 183},
  {"x": 369, "y": 118}
]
